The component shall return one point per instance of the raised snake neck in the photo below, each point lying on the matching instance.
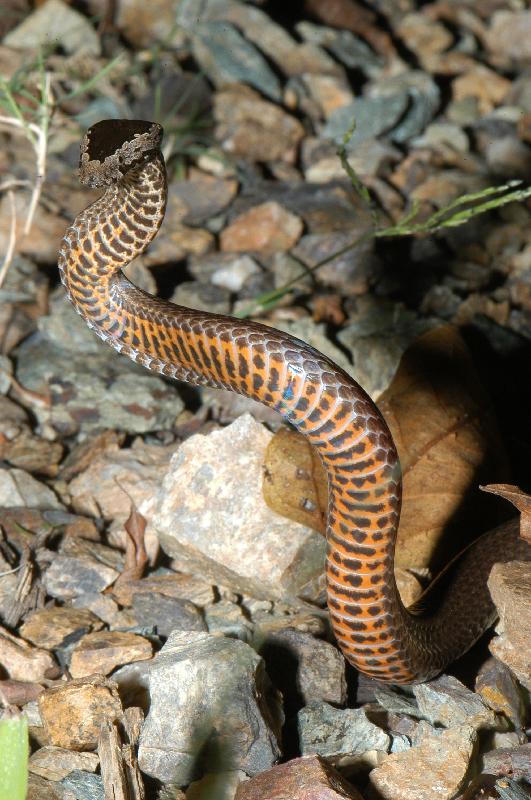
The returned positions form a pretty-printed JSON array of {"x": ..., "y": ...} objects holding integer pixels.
[{"x": 374, "y": 630}]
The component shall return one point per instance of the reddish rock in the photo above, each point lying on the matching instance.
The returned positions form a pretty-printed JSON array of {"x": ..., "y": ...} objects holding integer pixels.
[
  {"x": 308, "y": 778},
  {"x": 266, "y": 228}
]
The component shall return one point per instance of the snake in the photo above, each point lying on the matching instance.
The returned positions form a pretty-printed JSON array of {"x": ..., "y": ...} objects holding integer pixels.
[{"x": 375, "y": 631}]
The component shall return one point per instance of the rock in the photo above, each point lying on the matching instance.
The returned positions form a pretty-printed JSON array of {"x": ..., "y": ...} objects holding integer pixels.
[
  {"x": 446, "y": 701},
  {"x": 200, "y": 197},
  {"x": 321, "y": 164},
  {"x": 235, "y": 273},
  {"x": 228, "y": 270},
  {"x": 270, "y": 620},
  {"x": 68, "y": 577},
  {"x": 266, "y": 229},
  {"x": 73, "y": 712},
  {"x": 208, "y": 710},
  {"x": 48, "y": 627},
  {"x": 103, "y": 651},
  {"x": 55, "y": 21},
  {"x": 485, "y": 85},
  {"x": 228, "y": 58},
  {"x": 308, "y": 778},
  {"x": 177, "y": 242},
  {"x": 212, "y": 519},
  {"x": 373, "y": 116},
  {"x": 435, "y": 768},
  {"x": 101, "y": 605},
  {"x": 220, "y": 785},
  {"x": 22, "y": 662},
  {"x": 291, "y": 56},
  {"x": 19, "y": 488},
  {"x": 172, "y": 584},
  {"x": 117, "y": 477},
  {"x": 330, "y": 92},
  {"x": 228, "y": 618},
  {"x": 424, "y": 36},
  {"x": 55, "y": 763},
  {"x": 253, "y": 128},
  {"x": 304, "y": 667},
  {"x": 167, "y": 614},
  {"x": 350, "y": 272},
  {"x": 377, "y": 335},
  {"x": 343, "y": 737},
  {"x": 103, "y": 391},
  {"x": 510, "y": 588},
  {"x": 499, "y": 689},
  {"x": 84, "y": 785},
  {"x": 512, "y": 762},
  {"x": 204, "y": 296},
  {"x": 509, "y": 35},
  {"x": 41, "y": 789}
]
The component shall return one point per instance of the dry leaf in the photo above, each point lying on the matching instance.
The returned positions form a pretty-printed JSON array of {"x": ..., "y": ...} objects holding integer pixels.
[
  {"x": 295, "y": 483},
  {"x": 136, "y": 557},
  {"x": 448, "y": 444},
  {"x": 447, "y": 441},
  {"x": 520, "y": 500}
]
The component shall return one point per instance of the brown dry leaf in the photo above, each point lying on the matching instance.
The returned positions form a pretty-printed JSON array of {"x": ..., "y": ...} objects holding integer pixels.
[
  {"x": 136, "y": 556},
  {"x": 520, "y": 500},
  {"x": 448, "y": 443},
  {"x": 295, "y": 483}
]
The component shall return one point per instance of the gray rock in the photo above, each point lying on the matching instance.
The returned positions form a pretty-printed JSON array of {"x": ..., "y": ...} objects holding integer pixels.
[
  {"x": 446, "y": 701},
  {"x": 227, "y": 57},
  {"x": 396, "y": 701},
  {"x": 84, "y": 785},
  {"x": 228, "y": 618},
  {"x": 211, "y": 710},
  {"x": 90, "y": 385},
  {"x": 227, "y": 270},
  {"x": 212, "y": 519},
  {"x": 423, "y": 100},
  {"x": 200, "y": 197},
  {"x": 204, "y": 296},
  {"x": 301, "y": 665},
  {"x": 19, "y": 488},
  {"x": 351, "y": 271},
  {"x": 55, "y": 22},
  {"x": 68, "y": 577},
  {"x": 351, "y": 50},
  {"x": 372, "y": 116},
  {"x": 342, "y": 736},
  {"x": 167, "y": 613},
  {"x": 377, "y": 337}
]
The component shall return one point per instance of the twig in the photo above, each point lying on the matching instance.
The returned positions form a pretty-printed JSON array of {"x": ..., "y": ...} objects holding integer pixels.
[{"x": 12, "y": 238}]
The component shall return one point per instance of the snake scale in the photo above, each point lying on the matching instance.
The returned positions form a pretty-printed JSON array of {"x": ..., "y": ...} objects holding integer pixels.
[{"x": 376, "y": 633}]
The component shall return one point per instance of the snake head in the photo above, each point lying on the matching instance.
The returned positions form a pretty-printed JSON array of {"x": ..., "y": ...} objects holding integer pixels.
[{"x": 112, "y": 147}]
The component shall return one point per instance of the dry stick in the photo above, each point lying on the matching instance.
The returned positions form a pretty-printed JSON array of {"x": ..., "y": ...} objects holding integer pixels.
[
  {"x": 111, "y": 763},
  {"x": 12, "y": 238}
]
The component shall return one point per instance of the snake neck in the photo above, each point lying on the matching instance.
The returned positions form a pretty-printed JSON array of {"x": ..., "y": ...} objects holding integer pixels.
[{"x": 107, "y": 236}]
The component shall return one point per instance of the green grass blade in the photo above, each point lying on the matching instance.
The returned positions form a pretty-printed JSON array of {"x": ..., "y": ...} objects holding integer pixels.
[{"x": 14, "y": 750}]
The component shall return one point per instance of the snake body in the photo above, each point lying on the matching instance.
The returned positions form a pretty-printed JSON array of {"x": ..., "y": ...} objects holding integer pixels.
[{"x": 373, "y": 628}]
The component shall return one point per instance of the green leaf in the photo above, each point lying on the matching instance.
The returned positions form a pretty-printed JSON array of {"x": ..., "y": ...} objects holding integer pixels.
[{"x": 14, "y": 750}]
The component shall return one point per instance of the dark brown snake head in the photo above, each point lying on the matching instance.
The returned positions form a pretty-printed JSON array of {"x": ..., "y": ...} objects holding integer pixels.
[{"x": 112, "y": 147}]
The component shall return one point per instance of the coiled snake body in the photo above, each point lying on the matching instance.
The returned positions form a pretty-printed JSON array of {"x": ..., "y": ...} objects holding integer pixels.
[{"x": 374, "y": 630}]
